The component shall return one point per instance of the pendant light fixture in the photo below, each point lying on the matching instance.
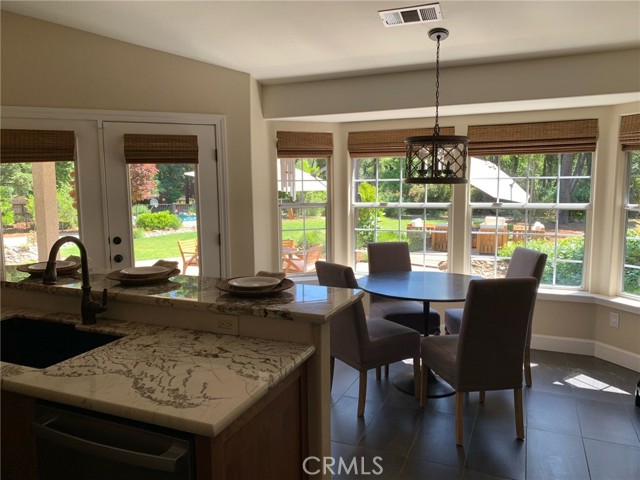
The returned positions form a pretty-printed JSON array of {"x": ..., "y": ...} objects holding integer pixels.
[{"x": 436, "y": 158}]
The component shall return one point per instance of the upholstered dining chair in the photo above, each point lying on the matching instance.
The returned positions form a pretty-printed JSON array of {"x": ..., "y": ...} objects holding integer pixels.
[
  {"x": 524, "y": 263},
  {"x": 365, "y": 344},
  {"x": 395, "y": 257},
  {"x": 487, "y": 353}
]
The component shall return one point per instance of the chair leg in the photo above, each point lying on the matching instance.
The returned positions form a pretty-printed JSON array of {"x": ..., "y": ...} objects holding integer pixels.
[
  {"x": 378, "y": 373},
  {"x": 459, "y": 418},
  {"x": 416, "y": 377},
  {"x": 527, "y": 366},
  {"x": 517, "y": 398},
  {"x": 386, "y": 370},
  {"x": 424, "y": 378},
  {"x": 362, "y": 394},
  {"x": 332, "y": 368},
  {"x": 481, "y": 392}
]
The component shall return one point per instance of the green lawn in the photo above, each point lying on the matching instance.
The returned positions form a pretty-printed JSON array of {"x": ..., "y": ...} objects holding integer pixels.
[{"x": 148, "y": 248}]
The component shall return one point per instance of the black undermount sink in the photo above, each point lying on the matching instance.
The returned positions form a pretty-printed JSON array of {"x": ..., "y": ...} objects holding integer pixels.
[{"x": 40, "y": 344}]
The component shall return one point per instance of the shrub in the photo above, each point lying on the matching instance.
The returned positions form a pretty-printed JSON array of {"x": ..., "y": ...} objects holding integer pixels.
[
  {"x": 139, "y": 209},
  {"x": 158, "y": 221}
]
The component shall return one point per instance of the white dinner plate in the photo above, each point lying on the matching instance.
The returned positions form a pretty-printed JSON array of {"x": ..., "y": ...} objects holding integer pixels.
[
  {"x": 42, "y": 266},
  {"x": 254, "y": 282},
  {"x": 144, "y": 271}
]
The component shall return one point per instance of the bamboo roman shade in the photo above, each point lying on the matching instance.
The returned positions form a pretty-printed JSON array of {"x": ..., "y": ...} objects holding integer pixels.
[
  {"x": 541, "y": 137},
  {"x": 304, "y": 144},
  {"x": 630, "y": 132},
  {"x": 386, "y": 143},
  {"x": 37, "y": 146},
  {"x": 143, "y": 148}
]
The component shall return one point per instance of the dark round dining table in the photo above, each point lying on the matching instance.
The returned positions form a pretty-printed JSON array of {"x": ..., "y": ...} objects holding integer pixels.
[{"x": 426, "y": 287}]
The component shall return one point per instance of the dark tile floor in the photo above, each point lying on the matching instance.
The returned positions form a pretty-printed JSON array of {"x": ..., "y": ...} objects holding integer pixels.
[{"x": 580, "y": 417}]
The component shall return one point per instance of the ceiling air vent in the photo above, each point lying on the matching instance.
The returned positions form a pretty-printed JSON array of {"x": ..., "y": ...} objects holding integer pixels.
[{"x": 408, "y": 15}]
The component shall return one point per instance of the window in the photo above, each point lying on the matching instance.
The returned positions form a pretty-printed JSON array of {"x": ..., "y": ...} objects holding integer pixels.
[
  {"x": 385, "y": 209},
  {"x": 303, "y": 199},
  {"x": 630, "y": 140},
  {"x": 37, "y": 194},
  {"x": 530, "y": 186}
]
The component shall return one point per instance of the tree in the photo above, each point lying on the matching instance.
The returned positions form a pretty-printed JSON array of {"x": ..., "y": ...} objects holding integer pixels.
[
  {"x": 143, "y": 181},
  {"x": 172, "y": 182}
]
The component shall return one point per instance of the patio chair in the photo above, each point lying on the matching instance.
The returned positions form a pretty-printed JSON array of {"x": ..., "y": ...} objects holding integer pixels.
[
  {"x": 303, "y": 262},
  {"x": 189, "y": 253}
]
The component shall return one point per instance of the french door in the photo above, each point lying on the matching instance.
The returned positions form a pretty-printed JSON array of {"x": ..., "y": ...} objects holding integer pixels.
[{"x": 154, "y": 203}]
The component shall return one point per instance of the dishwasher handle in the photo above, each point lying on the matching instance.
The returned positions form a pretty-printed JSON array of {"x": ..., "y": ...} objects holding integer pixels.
[{"x": 46, "y": 427}]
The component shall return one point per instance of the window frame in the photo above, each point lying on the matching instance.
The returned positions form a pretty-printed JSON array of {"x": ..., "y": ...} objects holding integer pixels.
[
  {"x": 630, "y": 156},
  {"x": 527, "y": 208}
]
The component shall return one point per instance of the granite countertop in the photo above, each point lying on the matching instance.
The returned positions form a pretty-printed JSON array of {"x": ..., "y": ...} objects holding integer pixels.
[
  {"x": 304, "y": 303},
  {"x": 188, "y": 380}
]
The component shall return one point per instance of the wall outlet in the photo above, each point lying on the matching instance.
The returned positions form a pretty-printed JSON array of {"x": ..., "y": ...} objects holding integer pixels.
[
  {"x": 227, "y": 324},
  {"x": 614, "y": 320}
]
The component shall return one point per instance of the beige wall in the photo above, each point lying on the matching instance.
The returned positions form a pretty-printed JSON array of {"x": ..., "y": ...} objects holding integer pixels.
[
  {"x": 532, "y": 80},
  {"x": 46, "y": 65}
]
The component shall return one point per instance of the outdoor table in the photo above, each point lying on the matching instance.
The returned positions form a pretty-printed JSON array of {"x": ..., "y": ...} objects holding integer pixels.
[{"x": 426, "y": 287}]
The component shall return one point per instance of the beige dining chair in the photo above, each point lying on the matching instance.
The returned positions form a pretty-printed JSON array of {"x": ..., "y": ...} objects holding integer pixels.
[
  {"x": 365, "y": 343},
  {"x": 524, "y": 263},
  {"x": 487, "y": 354},
  {"x": 395, "y": 257}
]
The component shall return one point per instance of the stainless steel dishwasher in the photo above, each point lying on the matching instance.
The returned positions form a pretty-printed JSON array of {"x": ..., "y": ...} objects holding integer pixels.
[{"x": 75, "y": 444}]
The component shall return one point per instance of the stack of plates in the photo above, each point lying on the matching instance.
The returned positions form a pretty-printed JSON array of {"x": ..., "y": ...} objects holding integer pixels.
[
  {"x": 63, "y": 267},
  {"x": 253, "y": 286},
  {"x": 140, "y": 275}
]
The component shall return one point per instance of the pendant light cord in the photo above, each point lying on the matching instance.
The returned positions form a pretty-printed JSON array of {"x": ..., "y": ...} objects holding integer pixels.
[{"x": 436, "y": 128}]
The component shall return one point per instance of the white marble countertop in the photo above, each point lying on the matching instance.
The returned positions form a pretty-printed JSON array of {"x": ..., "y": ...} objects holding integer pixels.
[
  {"x": 188, "y": 380},
  {"x": 302, "y": 303}
]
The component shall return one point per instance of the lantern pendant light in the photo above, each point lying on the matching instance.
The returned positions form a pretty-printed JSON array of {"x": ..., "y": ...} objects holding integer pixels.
[{"x": 436, "y": 158}]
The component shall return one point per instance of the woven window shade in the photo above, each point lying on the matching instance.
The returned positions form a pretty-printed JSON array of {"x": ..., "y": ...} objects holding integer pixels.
[
  {"x": 304, "y": 144},
  {"x": 542, "y": 137},
  {"x": 386, "y": 143},
  {"x": 630, "y": 132},
  {"x": 142, "y": 148},
  {"x": 37, "y": 146}
]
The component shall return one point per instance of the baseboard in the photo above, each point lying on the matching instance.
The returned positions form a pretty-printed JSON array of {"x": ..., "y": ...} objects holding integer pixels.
[{"x": 580, "y": 346}]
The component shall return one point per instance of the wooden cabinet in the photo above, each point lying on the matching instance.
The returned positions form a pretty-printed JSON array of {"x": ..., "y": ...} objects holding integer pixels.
[
  {"x": 268, "y": 441},
  {"x": 18, "y": 442}
]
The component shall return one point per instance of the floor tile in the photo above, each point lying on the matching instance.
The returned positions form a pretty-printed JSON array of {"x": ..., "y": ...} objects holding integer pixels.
[
  {"x": 393, "y": 430},
  {"x": 612, "y": 461},
  {"x": 420, "y": 469},
  {"x": 346, "y": 426},
  {"x": 587, "y": 430},
  {"x": 607, "y": 422},
  {"x": 495, "y": 450},
  {"x": 555, "y": 456},
  {"x": 436, "y": 440},
  {"x": 552, "y": 412},
  {"x": 367, "y": 464}
]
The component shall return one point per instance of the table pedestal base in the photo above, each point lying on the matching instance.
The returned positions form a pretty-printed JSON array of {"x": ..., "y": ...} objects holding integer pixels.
[{"x": 436, "y": 387}]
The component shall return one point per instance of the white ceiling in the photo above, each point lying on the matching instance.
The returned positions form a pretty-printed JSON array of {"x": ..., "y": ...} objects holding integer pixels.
[{"x": 284, "y": 41}]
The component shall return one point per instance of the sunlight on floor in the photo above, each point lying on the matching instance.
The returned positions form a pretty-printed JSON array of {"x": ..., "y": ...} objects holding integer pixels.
[{"x": 589, "y": 383}]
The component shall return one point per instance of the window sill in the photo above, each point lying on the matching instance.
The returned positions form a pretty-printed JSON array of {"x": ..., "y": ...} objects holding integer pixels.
[{"x": 620, "y": 303}]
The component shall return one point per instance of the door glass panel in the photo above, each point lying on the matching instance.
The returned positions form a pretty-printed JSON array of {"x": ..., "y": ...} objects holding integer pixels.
[
  {"x": 38, "y": 206},
  {"x": 163, "y": 213}
]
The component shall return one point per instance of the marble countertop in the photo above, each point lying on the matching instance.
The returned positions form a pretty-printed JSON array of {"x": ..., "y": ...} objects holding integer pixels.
[
  {"x": 305, "y": 303},
  {"x": 188, "y": 380}
]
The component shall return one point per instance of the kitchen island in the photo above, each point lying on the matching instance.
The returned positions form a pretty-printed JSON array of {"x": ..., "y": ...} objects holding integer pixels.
[{"x": 157, "y": 372}]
